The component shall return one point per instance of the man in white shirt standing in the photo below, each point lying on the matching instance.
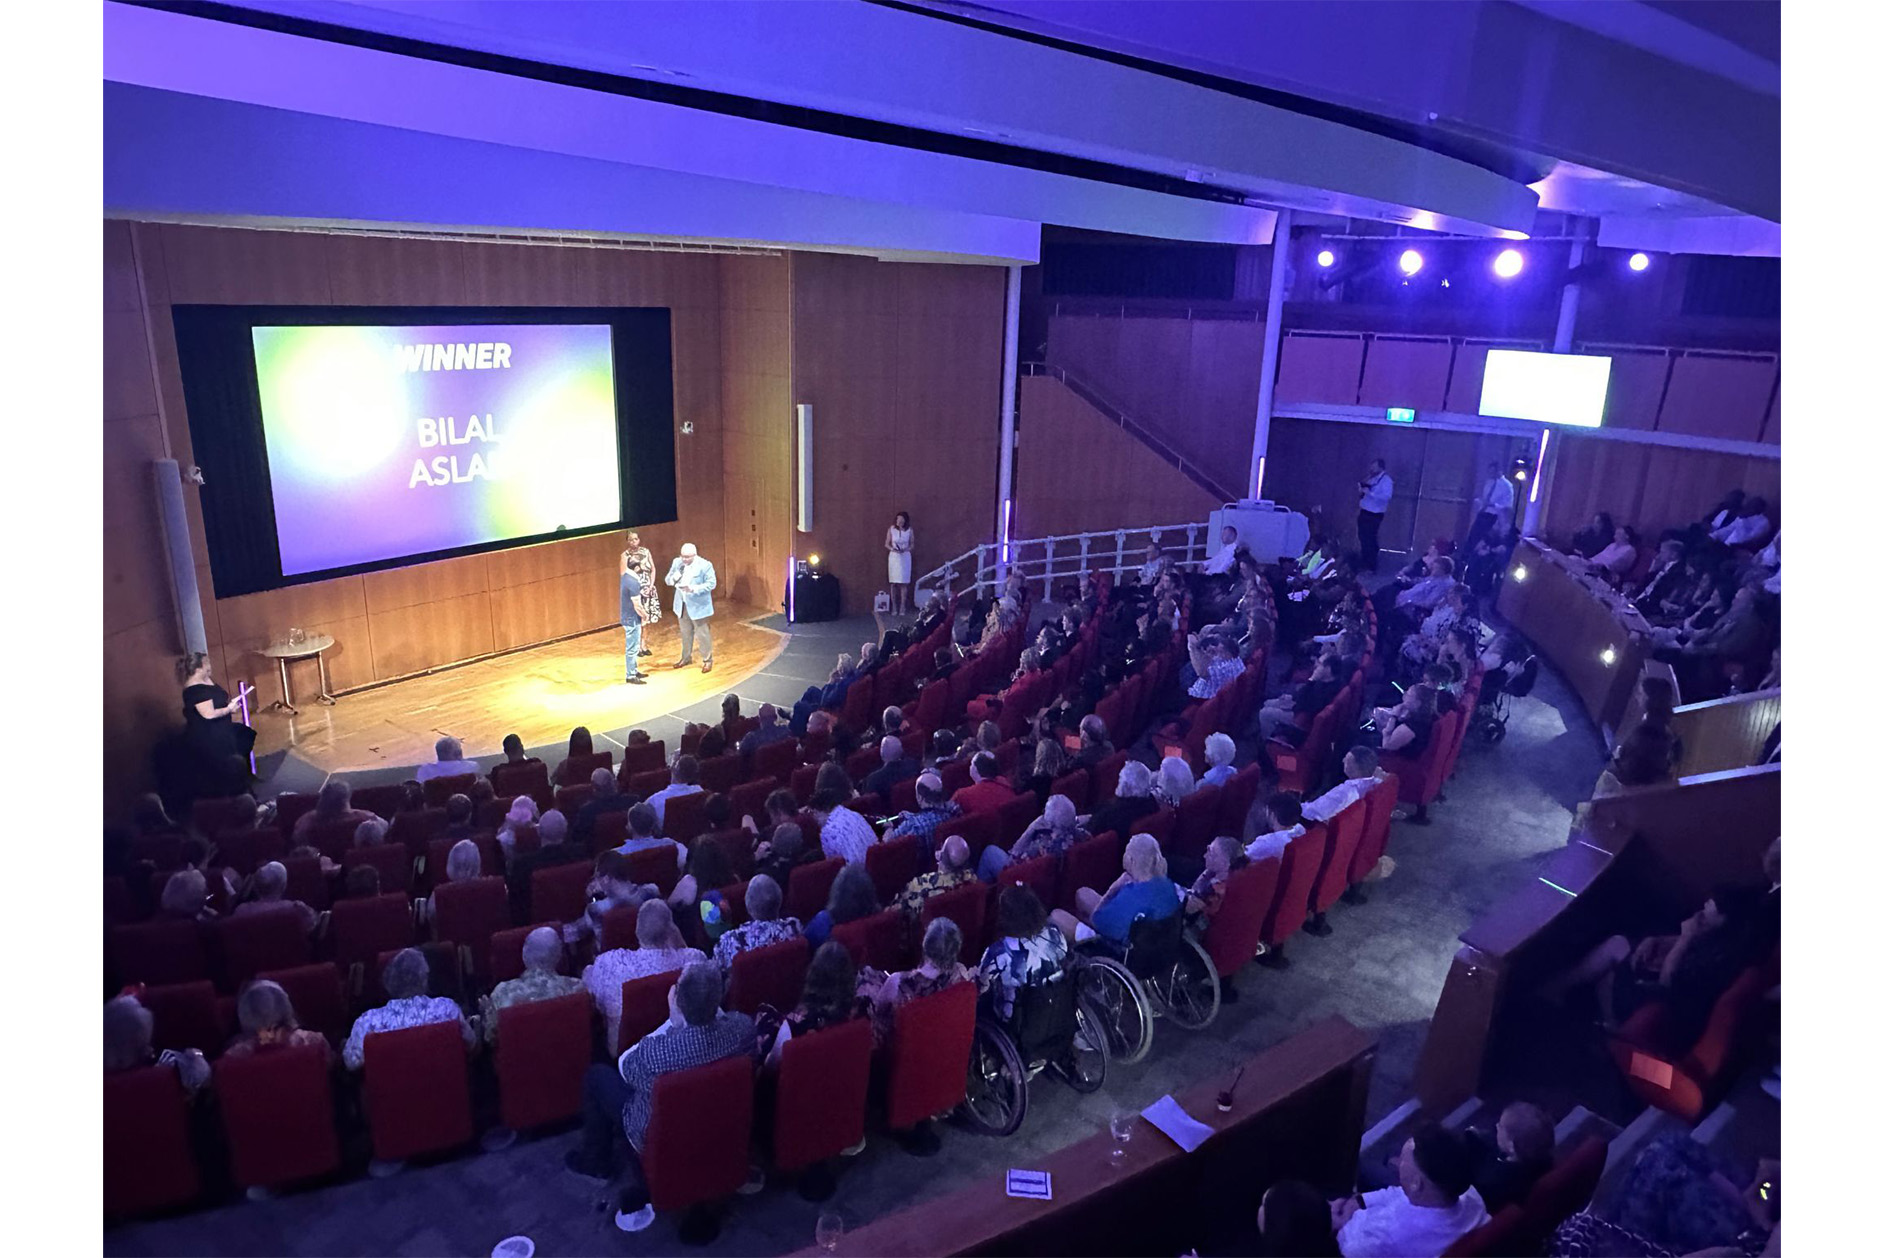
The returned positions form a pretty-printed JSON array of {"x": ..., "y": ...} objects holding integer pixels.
[
  {"x": 1376, "y": 494},
  {"x": 1434, "y": 1205},
  {"x": 1492, "y": 509}
]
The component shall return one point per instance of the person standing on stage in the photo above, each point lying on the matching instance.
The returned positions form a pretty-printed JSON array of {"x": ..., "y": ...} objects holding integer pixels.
[
  {"x": 1376, "y": 493},
  {"x": 639, "y": 560},
  {"x": 631, "y": 591},
  {"x": 900, "y": 541},
  {"x": 694, "y": 581}
]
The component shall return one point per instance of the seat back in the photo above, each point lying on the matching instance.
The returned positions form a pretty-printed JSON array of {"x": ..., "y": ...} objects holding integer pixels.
[
  {"x": 383, "y": 799},
  {"x": 333, "y": 838},
  {"x": 1197, "y": 823},
  {"x": 1076, "y": 786},
  {"x": 149, "y": 1163},
  {"x": 859, "y": 703},
  {"x": 248, "y": 851},
  {"x": 1041, "y": 875},
  {"x": 1373, "y": 845},
  {"x": 438, "y": 790},
  {"x": 270, "y": 939},
  {"x": 502, "y": 958},
  {"x": 415, "y": 830},
  {"x": 978, "y": 830},
  {"x": 891, "y": 864},
  {"x": 542, "y": 1054},
  {"x": 928, "y": 1055},
  {"x": 1105, "y": 775},
  {"x": 417, "y": 1091},
  {"x": 185, "y": 1015},
  {"x": 1093, "y": 862},
  {"x": 1301, "y": 865},
  {"x": 720, "y": 774},
  {"x": 748, "y": 798},
  {"x": 1562, "y": 1191},
  {"x": 1239, "y": 793},
  {"x": 773, "y": 975},
  {"x": 648, "y": 781},
  {"x": 1159, "y": 825},
  {"x": 643, "y": 1007},
  {"x": 320, "y": 1002},
  {"x": 1013, "y": 817},
  {"x": 684, "y": 817},
  {"x": 307, "y": 881},
  {"x": 1420, "y": 778},
  {"x": 658, "y": 865},
  {"x": 390, "y": 859},
  {"x": 468, "y": 913},
  {"x": 1495, "y": 1237},
  {"x": 823, "y": 1081},
  {"x": 159, "y": 952},
  {"x": 278, "y": 1115},
  {"x": 882, "y": 939},
  {"x": 525, "y": 779},
  {"x": 966, "y": 906},
  {"x": 699, "y": 1125},
  {"x": 809, "y": 887},
  {"x": 903, "y": 796},
  {"x": 575, "y": 770},
  {"x": 560, "y": 893},
  {"x": 652, "y": 755},
  {"x": 291, "y": 806},
  {"x": 863, "y": 762},
  {"x": 1344, "y": 836},
  {"x": 364, "y": 928},
  {"x": 1237, "y": 928},
  {"x": 774, "y": 760}
]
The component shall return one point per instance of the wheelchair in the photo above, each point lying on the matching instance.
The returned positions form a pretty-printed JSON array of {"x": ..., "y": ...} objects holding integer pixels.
[
  {"x": 1494, "y": 699},
  {"x": 1053, "y": 1027},
  {"x": 1163, "y": 972}
]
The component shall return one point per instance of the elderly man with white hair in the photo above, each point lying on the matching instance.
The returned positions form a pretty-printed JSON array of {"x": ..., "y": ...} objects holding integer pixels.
[
  {"x": 542, "y": 953},
  {"x": 662, "y": 949},
  {"x": 463, "y": 862},
  {"x": 1144, "y": 890},
  {"x": 951, "y": 870},
  {"x": 450, "y": 763},
  {"x": 694, "y": 581},
  {"x": 933, "y": 809},
  {"x": 405, "y": 979},
  {"x": 269, "y": 894},
  {"x": 1055, "y": 830},
  {"x": 897, "y": 766},
  {"x": 1131, "y": 802},
  {"x": 1220, "y": 755}
]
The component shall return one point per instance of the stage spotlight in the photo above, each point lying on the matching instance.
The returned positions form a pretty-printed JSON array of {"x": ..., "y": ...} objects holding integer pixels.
[
  {"x": 1411, "y": 262},
  {"x": 814, "y": 561},
  {"x": 1507, "y": 264},
  {"x": 1638, "y": 261},
  {"x": 1325, "y": 258}
]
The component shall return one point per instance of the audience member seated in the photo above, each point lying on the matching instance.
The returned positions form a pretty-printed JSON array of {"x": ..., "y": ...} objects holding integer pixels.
[
  {"x": 460, "y": 818},
  {"x": 1028, "y": 950},
  {"x": 940, "y": 968},
  {"x": 1143, "y": 890},
  {"x": 522, "y": 813},
  {"x": 266, "y": 1016},
  {"x": 934, "y": 612},
  {"x": 572, "y": 768},
  {"x": 1036, "y": 775},
  {"x": 482, "y": 792},
  {"x": 1130, "y": 803},
  {"x": 713, "y": 743},
  {"x": 1616, "y": 560},
  {"x": 770, "y": 730},
  {"x": 185, "y": 897},
  {"x": 1426, "y": 643},
  {"x": 450, "y": 761},
  {"x": 764, "y": 899},
  {"x": 783, "y": 852},
  {"x": 463, "y": 861},
  {"x": 842, "y": 833},
  {"x": 842, "y": 674},
  {"x": 405, "y": 978},
  {"x": 951, "y": 870},
  {"x": 780, "y": 806},
  {"x": 1750, "y": 529},
  {"x": 1687, "y": 971},
  {"x": 1294, "y": 1221},
  {"x": 686, "y": 781},
  {"x": 612, "y": 887},
  {"x": 933, "y": 810},
  {"x": 1272, "y": 824},
  {"x": 1175, "y": 783},
  {"x": 1744, "y": 636},
  {"x": 1052, "y": 833},
  {"x": 853, "y": 897},
  {"x": 269, "y": 887},
  {"x": 1216, "y": 663},
  {"x": 1674, "y": 1200},
  {"x": 1644, "y": 757},
  {"x": 1095, "y": 743},
  {"x": 644, "y": 834},
  {"x": 1407, "y": 727},
  {"x": 1509, "y": 1160},
  {"x": 514, "y": 756},
  {"x": 987, "y": 738},
  {"x": 1283, "y": 716},
  {"x": 1433, "y": 1205},
  {"x": 128, "y": 1028},
  {"x": 1223, "y": 857},
  {"x": 1220, "y": 755},
  {"x": 1413, "y": 604},
  {"x": 662, "y": 949},
  {"x": 1668, "y": 580},
  {"x": 553, "y": 848},
  {"x": 334, "y": 804},
  {"x": 1587, "y": 541},
  {"x": 896, "y": 767},
  {"x": 829, "y": 998},
  {"x": 986, "y": 791},
  {"x": 1361, "y": 767},
  {"x": 542, "y": 953},
  {"x": 617, "y": 1100}
]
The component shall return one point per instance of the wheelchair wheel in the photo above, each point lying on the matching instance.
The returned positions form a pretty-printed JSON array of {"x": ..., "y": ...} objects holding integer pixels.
[
  {"x": 997, "y": 1084},
  {"x": 1122, "y": 1006},
  {"x": 1083, "y": 1065},
  {"x": 1189, "y": 992}
]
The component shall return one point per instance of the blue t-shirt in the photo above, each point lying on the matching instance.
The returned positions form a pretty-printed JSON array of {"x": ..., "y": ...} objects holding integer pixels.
[{"x": 1156, "y": 899}]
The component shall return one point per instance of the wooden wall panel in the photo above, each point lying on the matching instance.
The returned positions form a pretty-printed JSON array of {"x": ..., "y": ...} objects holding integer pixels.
[
  {"x": 1468, "y": 372},
  {"x": 1718, "y": 397},
  {"x": 1319, "y": 369},
  {"x": 757, "y": 459},
  {"x": 412, "y": 639},
  {"x": 1402, "y": 371},
  {"x": 1636, "y": 384}
]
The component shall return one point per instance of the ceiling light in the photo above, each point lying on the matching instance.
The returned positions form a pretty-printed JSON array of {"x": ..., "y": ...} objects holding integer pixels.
[
  {"x": 1507, "y": 264},
  {"x": 1325, "y": 258},
  {"x": 1411, "y": 262},
  {"x": 1638, "y": 261}
]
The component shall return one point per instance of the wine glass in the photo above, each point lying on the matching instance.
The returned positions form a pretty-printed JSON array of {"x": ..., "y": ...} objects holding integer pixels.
[
  {"x": 830, "y": 1231},
  {"x": 1121, "y": 1125}
]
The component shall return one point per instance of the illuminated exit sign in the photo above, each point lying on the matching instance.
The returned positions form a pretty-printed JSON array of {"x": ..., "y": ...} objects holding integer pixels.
[{"x": 1400, "y": 414}]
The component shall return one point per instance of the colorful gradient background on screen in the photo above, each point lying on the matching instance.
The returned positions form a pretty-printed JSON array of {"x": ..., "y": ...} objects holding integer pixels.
[{"x": 341, "y": 417}]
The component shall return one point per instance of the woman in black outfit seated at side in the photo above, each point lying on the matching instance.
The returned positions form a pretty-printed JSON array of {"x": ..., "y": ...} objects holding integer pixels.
[
  {"x": 1408, "y": 728},
  {"x": 220, "y": 747}
]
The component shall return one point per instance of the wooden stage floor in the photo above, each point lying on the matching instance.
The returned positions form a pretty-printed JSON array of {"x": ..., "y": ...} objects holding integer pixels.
[{"x": 539, "y": 694}]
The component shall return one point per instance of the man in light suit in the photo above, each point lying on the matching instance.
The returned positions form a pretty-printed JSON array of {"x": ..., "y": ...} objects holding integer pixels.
[
  {"x": 693, "y": 580},
  {"x": 631, "y": 622}
]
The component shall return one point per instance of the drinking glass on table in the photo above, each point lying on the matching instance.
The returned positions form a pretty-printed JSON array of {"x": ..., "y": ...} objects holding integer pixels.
[
  {"x": 1121, "y": 1125},
  {"x": 830, "y": 1231}
]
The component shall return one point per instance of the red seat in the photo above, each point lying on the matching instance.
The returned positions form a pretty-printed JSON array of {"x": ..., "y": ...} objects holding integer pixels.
[
  {"x": 804, "y": 782},
  {"x": 1196, "y": 823},
  {"x": 414, "y": 830},
  {"x": 1105, "y": 776},
  {"x": 903, "y": 796},
  {"x": 658, "y": 865},
  {"x": 773, "y": 975},
  {"x": 1159, "y": 825},
  {"x": 149, "y": 1164},
  {"x": 978, "y": 830},
  {"x": 1300, "y": 768},
  {"x": 955, "y": 776},
  {"x": 1014, "y": 817},
  {"x": 1373, "y": 844},
  {"x": 720, "y": 774},
  {"x": 1094, "y": 862},
  {"x": 268, "y": 939},
  {"x": 570, "y": 799},
  {"x": 320, "y": 1002},
  {"x": 185, "y": 1015},
  {"x": 864, "y": 762},
  {"x": 214, "y": 813},
  {"x": 1562, "y": 1191},
  {"x": 1239, "y": 794},
  {"x": 417, "y": 1090},
  {"x": 159, "y": 952},
  {"x": 928, "y": 1056},
  {"x": 733, "y": 905},
  {"x": 648, "y": 781},
  {"x": 1076, "y": 786},
  {"x": 966, "y": 906},
  {"x": 891, "y": 864},
  {"x": 809, "y": 887},
  {"x": 307, "y": 881},
  {"x": 774, "y": 760},
  {"x": 643, "y": 1007},
  {"x": 619, "y": 926},
  {"x": 1344, "y": 837},
  {"x": 121, "y": 907},
  {"x": 859, "y": 701},
  {"x": 524, "y": 779},
  {"x": 165, "y": 850},
  {"x": 881, "y": 940},
  {"x": 247, "y": 851},
  {"x": 505, "y": 954},
  {"x": 748, "y": 798},
  {"x": 542, "y": 1053},
  {"x": 684, "y": 817},
  {"x": 1301, "y": 864},
  {"x": 391, "y": 860},
  {"x": 641, "y": 759},
  {"x": 610, "y": 830},
  {"x": 383, "y": 799},
  {"x": 699, "y": 1124},
  {"x": 575, "y": 770},
  {"x": 278, "y": 1115},
  {"x": 1237, "y": 929},
  {"x": 1041, "y": 875},
  {"x": 823, "y": 1081},
  {"x": 466, "y": 914},
  {"x": 331, "y": 838},
  {"x": 438, "y": 790},
  {"x": 364, "y": 928},
  {"x": 1422, "y": 776},
  {"x": 560, "y": 893},
  {"x": 1496, "y": 1237},
  {"x": 1686, "y": 1079},
  {"x": 291, "y": 806}
]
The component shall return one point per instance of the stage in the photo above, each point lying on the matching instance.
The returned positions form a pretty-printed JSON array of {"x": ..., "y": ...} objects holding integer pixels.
[{"x": 538, "y": 693}]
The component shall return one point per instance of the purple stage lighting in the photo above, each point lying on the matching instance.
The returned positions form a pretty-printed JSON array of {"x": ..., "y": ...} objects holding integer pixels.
[
  {"x": 1507, "y": 264},
  {"x": 1411, "y": 262},
  {"x": 1638, "y": 261},
  {"x": 1325, "y": 258}
]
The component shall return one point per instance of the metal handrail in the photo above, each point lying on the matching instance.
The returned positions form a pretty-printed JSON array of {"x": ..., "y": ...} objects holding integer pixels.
[
  {"x": 1063, "y": 555},
  {"x": 1086, "y": 390}
]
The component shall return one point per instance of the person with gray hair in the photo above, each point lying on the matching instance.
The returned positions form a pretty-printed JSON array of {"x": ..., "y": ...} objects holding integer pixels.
[
  {"x": 1144, "y": 890},
  {"x": 1095, "y": 744},
  {"x": 764, "y": 899},
  {"x": 662, "y": 949},
  {"x": 933, "y": 810},
  {"x": 1220, "y": 755},
  {"x": 1176, "y": 783},
  {"x": 128, "y": 1026},
  {"x": 617, "y": 1100},
  {"x": 941, "y": 968},
  {"x": 542, "y": 954},
  {"x": 769, "y": 730},
  {"x": 605, "y": 796},
  {"x": 450, "y": 763},
  {"x": 266, "y": 1015},
  {"x": 897, "y": 766},
  {"x": 952, "y": 869},
  {"x": 463, "y": 862},
  {"x": 405, "y": 979},
  {"x": 371, "y": 833},
  {"x": 269, "y": 894},
  {"x": 1052, "y": 833},
  {"x": 1130, "y": 804},
  {"x": 521, "y": 815}
]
